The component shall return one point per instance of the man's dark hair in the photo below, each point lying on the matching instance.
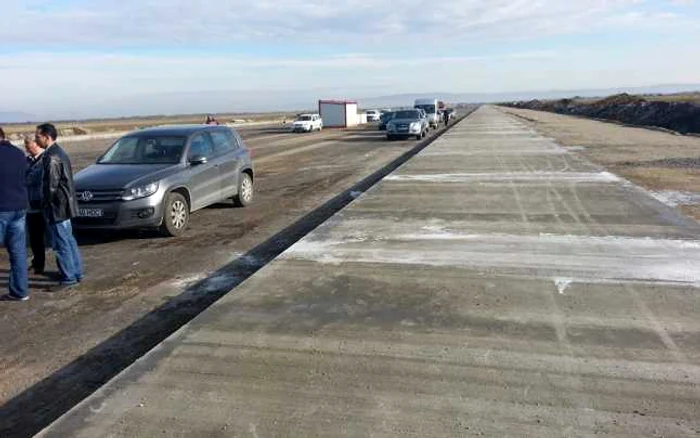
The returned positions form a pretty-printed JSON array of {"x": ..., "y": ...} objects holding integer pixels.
[
  {"x": 48, "y": 129},
  {"x": 2, "y": 134}
]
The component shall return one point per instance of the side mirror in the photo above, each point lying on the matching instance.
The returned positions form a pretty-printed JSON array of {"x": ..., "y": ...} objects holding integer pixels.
[{"x": 198, "y": 159}]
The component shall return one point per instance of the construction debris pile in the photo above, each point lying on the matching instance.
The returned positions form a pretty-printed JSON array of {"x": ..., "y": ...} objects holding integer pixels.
[{"x": 682, "y": 117}]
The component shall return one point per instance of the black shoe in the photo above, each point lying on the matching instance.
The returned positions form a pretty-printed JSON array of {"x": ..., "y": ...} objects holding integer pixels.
[{"x": 10, "y": 297}]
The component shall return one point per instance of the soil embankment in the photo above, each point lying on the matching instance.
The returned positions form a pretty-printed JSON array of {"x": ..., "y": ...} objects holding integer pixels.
[{"x": 678, "y": 116}]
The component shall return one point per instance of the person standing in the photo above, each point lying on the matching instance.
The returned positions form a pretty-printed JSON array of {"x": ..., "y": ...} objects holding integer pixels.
[
  {"x": 59, "y": 205},
  {"x": 36, "y": 224},
  {"x": 13, "y": 209}
]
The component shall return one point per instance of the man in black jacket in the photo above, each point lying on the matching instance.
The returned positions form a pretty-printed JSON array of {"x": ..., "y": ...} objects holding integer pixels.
[
  {"x": 13, "y": 208},
  {"x": 59, "y": 204}
]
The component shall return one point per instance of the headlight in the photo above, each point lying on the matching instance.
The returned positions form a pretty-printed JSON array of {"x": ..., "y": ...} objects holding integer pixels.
[
  {"x": 415, "y": 126},
  {"x": 140, "y": 192}
]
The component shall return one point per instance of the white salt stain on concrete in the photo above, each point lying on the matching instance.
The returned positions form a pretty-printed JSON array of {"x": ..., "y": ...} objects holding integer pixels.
[
  {"x": 581, "y": 177},
  {"x": 590, "y": 259},
  {"x": 449, "y": 153},
  {"x": 562, "y": 284},
  {"x": 675, "y": 198}
]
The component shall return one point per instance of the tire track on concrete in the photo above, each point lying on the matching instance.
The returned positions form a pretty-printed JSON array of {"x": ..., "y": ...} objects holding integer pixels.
[
  {"x": 516, "y": 194},
  {"x": 558, "y": 318},
  {"x": 641, "y": 305}
]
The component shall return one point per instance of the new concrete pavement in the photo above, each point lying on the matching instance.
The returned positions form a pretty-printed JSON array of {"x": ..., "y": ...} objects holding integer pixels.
[{"x": 494, "y": 285}]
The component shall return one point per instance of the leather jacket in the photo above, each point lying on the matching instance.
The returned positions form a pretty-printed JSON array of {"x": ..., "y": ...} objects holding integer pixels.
[{"x": 59, "y": 199}]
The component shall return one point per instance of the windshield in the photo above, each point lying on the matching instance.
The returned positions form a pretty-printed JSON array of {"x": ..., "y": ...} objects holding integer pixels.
[
  {"x": 430, "y": 109},
  {"x": 304, "y": 119},
  {"x": 145, "y": 150},
  {"x": 411, "y": 114}
]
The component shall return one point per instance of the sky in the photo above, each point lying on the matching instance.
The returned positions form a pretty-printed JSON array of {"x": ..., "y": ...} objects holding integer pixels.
[{"x": 80, "y": 58}]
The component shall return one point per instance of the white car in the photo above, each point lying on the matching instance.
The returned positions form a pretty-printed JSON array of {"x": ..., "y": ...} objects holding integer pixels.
[
  {"x": 307, "y": 123},
  {"x": 373, "y": 115}
]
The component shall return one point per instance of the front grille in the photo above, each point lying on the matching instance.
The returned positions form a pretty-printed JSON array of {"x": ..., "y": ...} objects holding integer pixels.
[{"x": 90, "y": 196}]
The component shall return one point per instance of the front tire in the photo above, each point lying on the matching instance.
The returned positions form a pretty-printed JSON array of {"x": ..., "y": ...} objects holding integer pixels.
[
  {"x": 245, "y": 191},
  {"x": 176, "y": 215}
]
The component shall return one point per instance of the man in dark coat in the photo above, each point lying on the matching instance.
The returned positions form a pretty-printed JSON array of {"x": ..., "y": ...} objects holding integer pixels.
[
  {"x": 13, "y": 210},
  {"x": 59, "y": 205}
]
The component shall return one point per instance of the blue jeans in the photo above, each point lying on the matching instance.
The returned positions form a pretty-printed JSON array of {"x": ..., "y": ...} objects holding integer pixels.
[
  {"x": 14, "y": 238},
  {"x": 68, "y": 259}
]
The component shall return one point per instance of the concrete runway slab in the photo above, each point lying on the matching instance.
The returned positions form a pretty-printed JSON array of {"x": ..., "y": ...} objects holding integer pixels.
[{"x": 492, "y": 286}]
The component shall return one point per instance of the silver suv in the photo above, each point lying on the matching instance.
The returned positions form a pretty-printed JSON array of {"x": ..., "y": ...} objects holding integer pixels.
[
  {"x": 156, "y": 177},
  {"x": 407, "y": 123}
]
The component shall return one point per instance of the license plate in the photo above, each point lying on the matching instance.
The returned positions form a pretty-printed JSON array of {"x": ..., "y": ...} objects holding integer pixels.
[{"x": 90, "y": 212}]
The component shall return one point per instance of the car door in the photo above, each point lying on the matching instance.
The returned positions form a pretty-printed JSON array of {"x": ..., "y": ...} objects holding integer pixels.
[
  {"x": 205, "y": 181},
  {"x": 229, "y": 153}
]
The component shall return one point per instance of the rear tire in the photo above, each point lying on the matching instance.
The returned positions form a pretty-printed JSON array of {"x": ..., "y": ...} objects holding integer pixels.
[
  {"x": 176, "y": 215},
  {"x": 245, "y": 191}
]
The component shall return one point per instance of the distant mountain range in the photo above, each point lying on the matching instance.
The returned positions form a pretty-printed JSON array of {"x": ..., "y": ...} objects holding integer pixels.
[
  {"x": 407, "y": 99},
  {"x": 247, "y": 101},
  {"x": 16, "y": 117}
]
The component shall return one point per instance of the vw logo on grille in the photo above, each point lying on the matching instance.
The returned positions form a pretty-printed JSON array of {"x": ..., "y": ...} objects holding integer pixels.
[{"x": 85, "y": 196}]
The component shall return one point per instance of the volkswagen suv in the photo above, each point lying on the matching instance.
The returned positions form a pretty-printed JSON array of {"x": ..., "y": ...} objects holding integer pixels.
[{"x": 156, "y": 177}]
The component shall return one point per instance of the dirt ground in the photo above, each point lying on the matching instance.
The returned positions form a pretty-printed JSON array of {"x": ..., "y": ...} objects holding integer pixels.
[
  {"x": 140, "y": 287},
  {"x": 129, "y": 123},
  {"x": 664, "y": 163}
]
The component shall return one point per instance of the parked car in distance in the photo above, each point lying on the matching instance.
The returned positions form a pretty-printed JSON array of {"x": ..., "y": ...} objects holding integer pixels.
[
  {"x": 157, "y": 177},
  {"x": 373, "y": 115},
  {"x": 384, "y": 119},
  {"x": 307, "y": 123},
  {"x": 407, "y": 123}
]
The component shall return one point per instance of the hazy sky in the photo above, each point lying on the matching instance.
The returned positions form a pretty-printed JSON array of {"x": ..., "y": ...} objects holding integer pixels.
[{"x": 80, "y": 57}]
